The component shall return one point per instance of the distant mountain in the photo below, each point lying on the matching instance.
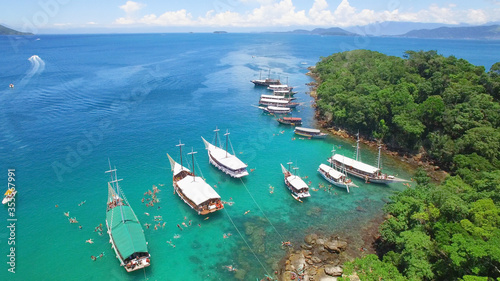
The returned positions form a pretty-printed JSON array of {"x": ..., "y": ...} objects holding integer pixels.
[
  {"x": 325, "y": 31},
  {"x": 392, "y": 28},
  {"x": 8, "y": 31},
  {"x": 467, "y": 32}
]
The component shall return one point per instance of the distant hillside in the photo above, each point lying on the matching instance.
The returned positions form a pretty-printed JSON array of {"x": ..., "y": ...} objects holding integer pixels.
[
  {"x": 8, "y": 31},
  {"x": 392, "y": 28},
  {"x": 325, "y": 31},
  {"x": 472, "y": 32}
]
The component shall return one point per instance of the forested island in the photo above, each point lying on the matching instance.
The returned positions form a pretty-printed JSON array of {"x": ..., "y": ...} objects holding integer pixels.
[
  {"x": 446, "y": 110},
  {"x": 9, "y": 31}
]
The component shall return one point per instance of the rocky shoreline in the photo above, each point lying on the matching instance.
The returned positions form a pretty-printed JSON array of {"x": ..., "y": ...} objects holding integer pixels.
[{"x": 319, "y": 259}]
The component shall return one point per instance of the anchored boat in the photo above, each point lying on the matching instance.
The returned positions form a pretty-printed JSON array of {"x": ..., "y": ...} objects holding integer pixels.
[
  {"x": 223, "y": 160},
  {"x": 294, "y": 121},
  {"x": 309, "y": 133},
  {"x": 277, "y": 102},
  {"x": 334, "y": 176},
  {"x": 276, "y": 109},
  {"x": 125, "y": 231},
  {"x": 266, "y": 81},
  {"x": 193, "y": 190},
  {"x": 362, "y": 170},
  {"x": 295, "y": 184}
]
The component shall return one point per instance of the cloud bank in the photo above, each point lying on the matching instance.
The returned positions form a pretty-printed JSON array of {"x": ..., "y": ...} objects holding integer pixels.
[{"x": 284, "y": 13}]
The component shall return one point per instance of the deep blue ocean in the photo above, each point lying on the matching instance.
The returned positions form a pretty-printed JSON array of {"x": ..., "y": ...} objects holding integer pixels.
[{"x": 79, "y": 100}]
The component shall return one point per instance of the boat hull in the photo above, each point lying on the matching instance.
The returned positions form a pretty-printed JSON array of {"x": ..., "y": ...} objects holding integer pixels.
[
  {"x": 371, "y": 179},
  {"x": 225, "y": 169},
  {"x": 321, "y": 136},
  {"x": 7, "y": 199},
  {"x": 336, "y": 183}
]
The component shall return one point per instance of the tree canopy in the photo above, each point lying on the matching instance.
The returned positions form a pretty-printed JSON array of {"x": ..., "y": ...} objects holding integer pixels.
[{"x": 449, "y": 107}]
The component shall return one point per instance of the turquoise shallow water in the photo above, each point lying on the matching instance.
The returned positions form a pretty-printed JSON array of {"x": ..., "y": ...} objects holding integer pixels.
[{"x": 130, "y": 98}]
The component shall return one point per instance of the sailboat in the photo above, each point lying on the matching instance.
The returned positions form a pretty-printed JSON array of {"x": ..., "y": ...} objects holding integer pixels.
[
  {"x": 294, "y": 183},
  {"x": 125, "y": 231},
  {"x": 362, "y": 170},
  {"x": 265, "y": 82},
  {"x": 334, "y": 176},
  {"x": 193, "y": 190},
  {"x": 223, "y": 160}
]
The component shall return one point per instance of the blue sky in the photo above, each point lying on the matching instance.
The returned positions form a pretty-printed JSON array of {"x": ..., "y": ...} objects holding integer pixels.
[{"x": 68, "y": 15}]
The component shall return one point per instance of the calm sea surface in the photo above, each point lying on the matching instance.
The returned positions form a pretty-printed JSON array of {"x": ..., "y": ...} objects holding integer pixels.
[{"x": 81, "y": 99}]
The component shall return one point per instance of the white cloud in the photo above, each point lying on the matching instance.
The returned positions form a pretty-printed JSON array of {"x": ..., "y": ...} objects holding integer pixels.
[
  {"x": 284, "y": 13},
  {"x": 131, "y": 7},
  {"x": 177, "y": 18}
]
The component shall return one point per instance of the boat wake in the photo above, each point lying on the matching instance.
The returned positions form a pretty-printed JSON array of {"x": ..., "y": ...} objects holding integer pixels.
[{"x": 37, "y": 67}]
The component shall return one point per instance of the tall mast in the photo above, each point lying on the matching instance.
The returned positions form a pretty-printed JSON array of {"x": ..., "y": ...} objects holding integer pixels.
[
  {"x": 378, "y": 160},
  {"x": 260, "y": 74},
  {"x": 227, "y": 138},
  {"x": 180, "y": 148},
  {"x": 114, "y": 183},
  {"x": 295, "y": 170},
  {"x": 269, "y": 75},
  {"x": 333, "y": 153},
  {"x": 289, "y": 163},
  {"x": 216, "y": 136},
  {"x": 192, "y": 153},
  {"x": 357, "y": 147}
]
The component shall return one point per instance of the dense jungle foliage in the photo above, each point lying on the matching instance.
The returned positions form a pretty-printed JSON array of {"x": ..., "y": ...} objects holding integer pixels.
[{"x": 449, "y": 108}]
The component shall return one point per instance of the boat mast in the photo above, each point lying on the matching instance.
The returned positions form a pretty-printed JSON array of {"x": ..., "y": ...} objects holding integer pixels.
[
  {"x": 269, "y": 75},
  {"x": 295, "y": 171},
  {"x": 289, "y": 163},
  {"x": 227, "y": 138},
  {"x": 333, "y": 153},
  {"x": 378, "y": 160},
  {"x": 114, "y": 183},
  {"x": 192, "y": 153},
  {"x": 357, "y": 147},
  {"x": 180, "y": 148},
  {"x": 216, "y": 136}
]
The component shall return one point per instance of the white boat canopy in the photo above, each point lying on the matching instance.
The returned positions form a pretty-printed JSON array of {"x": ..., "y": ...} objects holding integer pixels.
[
  {"x": 348, "y": 162},
  {"x": 275, "y": 108},
  {"x": 197, "y": 190},
  {"x": 297, "y": 182},
  {"x": 278, "y": 86},
  {"x": 308, "y": 130},
  {"x": 225, "y": 158},
  {"x": 274, "y": 97},
  {"x": 331, "y": 171},
  {"x": 276, "y": 101}
]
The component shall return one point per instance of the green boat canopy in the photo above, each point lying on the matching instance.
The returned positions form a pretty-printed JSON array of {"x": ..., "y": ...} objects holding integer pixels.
[{"x": 127, "y": 233}]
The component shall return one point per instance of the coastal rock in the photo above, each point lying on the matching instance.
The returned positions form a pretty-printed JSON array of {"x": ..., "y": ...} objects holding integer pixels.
[
  {"x": 320, "y": 241},
  {"x": 335, "y": 246},
  {"x": 315, "y": 259},
  {"x": 311, "y": 239},
  {"x": 306, "y": 246},
  {"x": 334, "y": 270}
]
